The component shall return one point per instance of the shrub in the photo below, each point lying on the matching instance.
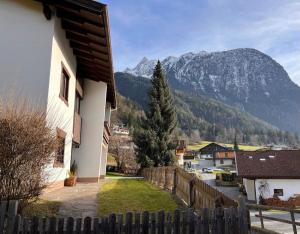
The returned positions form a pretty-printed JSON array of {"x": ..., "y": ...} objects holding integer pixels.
[{"x": 27, "y": 146}]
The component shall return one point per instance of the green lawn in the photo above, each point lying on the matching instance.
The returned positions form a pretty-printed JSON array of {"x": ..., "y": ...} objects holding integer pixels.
[
  {"x": 205, "y": 143},
  {"x": 42, "y": 208},
  {"x": 136, "y": 195}
]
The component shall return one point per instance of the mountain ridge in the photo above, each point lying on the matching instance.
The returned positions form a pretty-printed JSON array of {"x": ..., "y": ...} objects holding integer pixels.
[{"x": 244, "y": 78}]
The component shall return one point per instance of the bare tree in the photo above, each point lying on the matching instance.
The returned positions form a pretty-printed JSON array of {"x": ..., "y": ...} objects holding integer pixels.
[{"x": 27, "y": 146}]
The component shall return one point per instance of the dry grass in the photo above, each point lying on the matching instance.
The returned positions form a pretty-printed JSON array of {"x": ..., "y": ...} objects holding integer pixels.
[{"x": 202, "y": 144}]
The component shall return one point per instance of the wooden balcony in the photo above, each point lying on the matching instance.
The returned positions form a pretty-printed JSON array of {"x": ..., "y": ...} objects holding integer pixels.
[
  {"x": 106, "y": 133},
  {"x": 77, "y": 128}
]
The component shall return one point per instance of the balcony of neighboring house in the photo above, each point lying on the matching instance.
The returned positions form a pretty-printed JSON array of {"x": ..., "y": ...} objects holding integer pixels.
[
  {"x": 77, "y": 117},
  {"x": 106, "y": 133}
]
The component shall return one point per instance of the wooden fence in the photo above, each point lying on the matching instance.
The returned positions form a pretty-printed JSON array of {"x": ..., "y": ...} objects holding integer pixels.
[
  {"x": 192, "y": 190},
  {"x": 228, "y": 221},
  {"x": 261, "y": 208}
]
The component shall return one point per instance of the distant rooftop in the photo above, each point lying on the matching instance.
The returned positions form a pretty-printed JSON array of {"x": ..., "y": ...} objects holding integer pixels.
[{"x": 276, "y": 164}]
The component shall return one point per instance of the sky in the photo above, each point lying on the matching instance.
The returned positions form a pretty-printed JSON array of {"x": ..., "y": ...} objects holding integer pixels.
[{"x": 159, "y": 28}]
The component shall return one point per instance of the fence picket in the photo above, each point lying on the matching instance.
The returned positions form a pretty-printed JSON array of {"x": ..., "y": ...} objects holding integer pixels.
[
  {"x": 153, "y": 223},
  {"x": 168, "y": 223},
  {"x": 226, "y": 221},
  {"x": 205, "y": 221},
  {"x": 78, "y": 226},
  {"x": 3, "y": 206},
  {"x": 128, "y": 228},
  {"x": 219, "y": 220},
  {"x": 17, "y": 223},
  {"x": 120, "y": 224},
  {"x": 52, "y": 225},
  {"x": 11, "y": 214},
  {"x": 176, "y": 222},
  {"x": 60, "y": 226},
  {"x": 70, "y": 225},
  {"x": 137, "y": 223},
  {"x": 34, "y": 225},
  {"x": 145, "y": 221},
  {"x": 112, "y": 224},
  {"x": 161, "y": 222}
]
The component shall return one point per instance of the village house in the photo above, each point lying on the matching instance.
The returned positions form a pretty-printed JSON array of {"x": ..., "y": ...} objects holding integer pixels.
[
  {"x": 217, "y": 155},
  {"x": 271, "y": 173},
  {"x": 57, "y": 54},
  {"x": 180, "y": 151}
]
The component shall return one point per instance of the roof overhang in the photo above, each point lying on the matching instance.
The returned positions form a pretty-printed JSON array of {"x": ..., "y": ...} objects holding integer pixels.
[
  {"x": 269, "y": 177},
  {"x": 87, "y": 28}
]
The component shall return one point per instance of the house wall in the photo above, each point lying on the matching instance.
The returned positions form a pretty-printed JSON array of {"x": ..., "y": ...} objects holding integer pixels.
[
  {"x": 108, "y": 113},
  {"x": 227, "y": 162},
  {"x": 59, "y": 114},
  {"x": 205, "y": 156},
  {"x": 103, "y": 161},
  {"x": 25, "y": 43},
  {"x": 88, "y": 155},
  {"x": 250, "y": 189},
  {"x": 290, "y": 187}
]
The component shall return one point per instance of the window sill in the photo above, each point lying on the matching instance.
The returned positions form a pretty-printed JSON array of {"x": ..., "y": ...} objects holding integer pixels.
[{"x": 64, "y": 100}]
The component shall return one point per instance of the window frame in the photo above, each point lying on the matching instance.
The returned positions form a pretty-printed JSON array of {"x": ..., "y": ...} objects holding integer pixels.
[
  {"x": 64, "y": 84},
  {"x": 60, "y": 153},
  {"x": 280, "y": 194}
]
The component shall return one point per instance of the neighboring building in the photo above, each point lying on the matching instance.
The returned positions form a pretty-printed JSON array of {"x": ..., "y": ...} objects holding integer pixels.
[
  {"x": 217, "y": 155},
  {"x": 269, "y": 173},
  {"x": 120, "y": 129},
  {"x": 58, "y": 53},
  {"x": 180, "y": 151}
]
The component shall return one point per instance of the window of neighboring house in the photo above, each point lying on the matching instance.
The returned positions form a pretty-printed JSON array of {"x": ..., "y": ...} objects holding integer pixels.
[
  {"x": 60, "y": 154},
  {"x": 221, "y": 161},
  {"x": 278, "y": 192},
  {"x": 226, "y": 155},
  {"x": 64, "y": 85}
]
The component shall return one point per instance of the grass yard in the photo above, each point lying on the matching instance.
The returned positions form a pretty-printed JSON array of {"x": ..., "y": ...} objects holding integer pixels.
[
  {"x": 114, "y": 174},
  {"x": 136, "y": 195},
  {"x": 205, "y": 143},
  {"x": 42, "y": 208}
]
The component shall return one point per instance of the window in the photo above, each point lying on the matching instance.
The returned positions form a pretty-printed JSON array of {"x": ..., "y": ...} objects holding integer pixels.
[
  {"x": 226, "y": 155},
  {"x": 278, "y": 192},
  {"x": 60, "y": 154},
  {"x": 64, "y": 85},
  {"x": 221, "y": 161}
]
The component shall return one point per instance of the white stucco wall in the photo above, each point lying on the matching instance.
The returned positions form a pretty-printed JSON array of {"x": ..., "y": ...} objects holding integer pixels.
[
  {"x": 103, "y": 160},
  {"x": 250, "y": 189},
  {"x": 58, "y": 113},
  {"x": 88, "y": 155},
  {"x": 108, "y": 112},
  {"x": 25, "y": 51},
  {"x": 290, "y": 187}
]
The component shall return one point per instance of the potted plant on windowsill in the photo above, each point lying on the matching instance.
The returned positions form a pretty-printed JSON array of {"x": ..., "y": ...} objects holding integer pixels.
[{"x": 72, "y": 179}]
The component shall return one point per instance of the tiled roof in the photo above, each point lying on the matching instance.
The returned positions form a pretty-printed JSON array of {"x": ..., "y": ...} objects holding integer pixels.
[{"x": 268, "y": 164}]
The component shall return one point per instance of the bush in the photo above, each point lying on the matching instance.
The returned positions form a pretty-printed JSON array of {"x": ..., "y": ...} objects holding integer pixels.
[{"x": 27, "y": 146}]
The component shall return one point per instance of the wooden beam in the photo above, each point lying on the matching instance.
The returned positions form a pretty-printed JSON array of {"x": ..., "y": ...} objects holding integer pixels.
[
  {"x": 76, "y": 16},
  {"x": 81, "y": 28},
  {"x": 92, "y": 53},
  {"x": 88, "y": 47},
  {"x": 83, "y": 59},
  {"x": 91, "y": 67},
  {"x": 84, "y": 38},
  {"x": 90, "y": 56}
]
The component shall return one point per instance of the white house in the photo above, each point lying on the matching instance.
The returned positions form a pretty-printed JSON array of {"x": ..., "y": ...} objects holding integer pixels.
[
  {"x": 271, "y": 173},
  {"x": 57, "y": 54}
]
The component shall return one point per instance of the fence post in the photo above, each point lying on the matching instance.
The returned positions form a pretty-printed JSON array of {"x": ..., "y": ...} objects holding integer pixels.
[
  {"x": 293, "y": 221},
  {"x": 191, "y": 193},
  {"x": 174, "y": 181},
  {"x": 11, "y": 215},
  {"x": 244, "y": 222}
]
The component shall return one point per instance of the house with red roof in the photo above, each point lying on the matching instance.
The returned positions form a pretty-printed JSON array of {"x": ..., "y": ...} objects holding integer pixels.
[{"x": 271, "y": 173}]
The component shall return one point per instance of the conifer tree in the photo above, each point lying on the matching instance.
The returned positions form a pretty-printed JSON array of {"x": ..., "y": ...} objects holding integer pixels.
[
  {"x": 153, "y": 138},
  {"x": 235, "y": 144}
]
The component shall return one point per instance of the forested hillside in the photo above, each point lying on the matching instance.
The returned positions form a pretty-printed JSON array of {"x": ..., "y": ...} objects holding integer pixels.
[{"x": 198, "y": 117}]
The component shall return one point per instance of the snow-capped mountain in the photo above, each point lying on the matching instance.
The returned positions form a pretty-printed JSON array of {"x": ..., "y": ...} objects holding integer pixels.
[{"x": 245, "y": 78}]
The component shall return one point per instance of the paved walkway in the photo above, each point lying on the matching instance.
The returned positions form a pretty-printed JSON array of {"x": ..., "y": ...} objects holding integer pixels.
[{"x": 78, "y": 201}]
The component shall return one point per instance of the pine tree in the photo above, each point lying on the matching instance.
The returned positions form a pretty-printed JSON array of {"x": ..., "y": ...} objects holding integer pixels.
[
  {"x": 154, "y": 136},
  {"x": 235, "y": 144}
]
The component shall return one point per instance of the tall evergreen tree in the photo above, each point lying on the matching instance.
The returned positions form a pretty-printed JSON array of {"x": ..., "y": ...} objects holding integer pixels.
[
  {"x": 154, "y": 136},
  {"x": 235, "y": 144}
]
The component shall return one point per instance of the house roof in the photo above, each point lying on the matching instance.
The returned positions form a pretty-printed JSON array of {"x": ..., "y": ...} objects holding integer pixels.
[
  {"x": 213, "y": 147},
  {"x": 87, "y": 28},
  {"x": 270, "y": 164}
]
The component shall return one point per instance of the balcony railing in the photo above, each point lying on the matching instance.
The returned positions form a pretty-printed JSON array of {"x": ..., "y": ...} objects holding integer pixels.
[
  {"x": 77, "y": 128},
  {"x": 106, "y": 133}
]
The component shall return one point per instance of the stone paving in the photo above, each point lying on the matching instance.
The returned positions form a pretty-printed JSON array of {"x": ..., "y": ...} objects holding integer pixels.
[{"x": 77, "y": 201}]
